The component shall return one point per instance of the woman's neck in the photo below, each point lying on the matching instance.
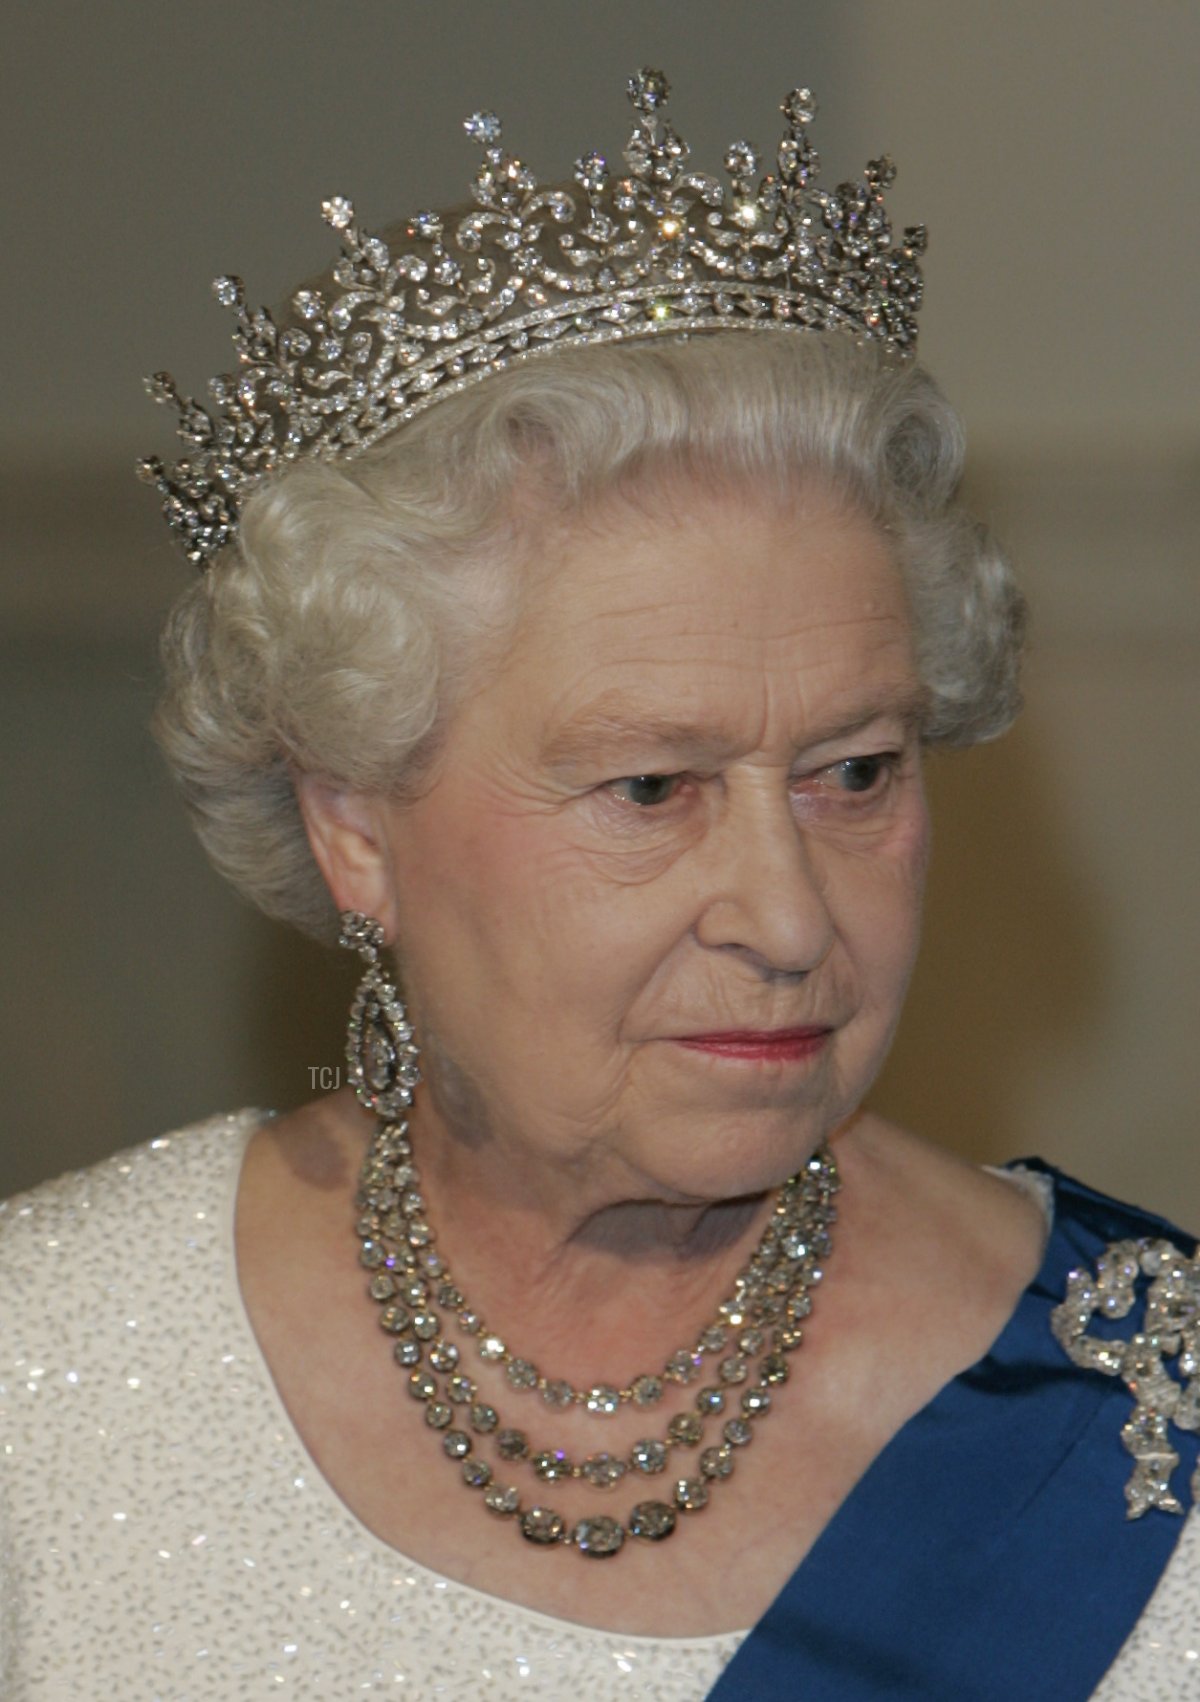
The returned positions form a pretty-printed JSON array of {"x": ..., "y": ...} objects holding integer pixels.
[{"x": 579, "y": 1272}]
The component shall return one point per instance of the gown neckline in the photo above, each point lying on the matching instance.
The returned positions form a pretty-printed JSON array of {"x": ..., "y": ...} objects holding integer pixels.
[{"x": 1037, "y": 1180}]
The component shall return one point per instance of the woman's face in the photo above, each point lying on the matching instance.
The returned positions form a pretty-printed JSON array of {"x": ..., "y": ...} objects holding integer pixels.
[{"x": 659, "y": 907}]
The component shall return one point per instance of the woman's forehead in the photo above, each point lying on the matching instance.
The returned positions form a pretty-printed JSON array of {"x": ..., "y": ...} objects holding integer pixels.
[
  {"x": 716, "y": 566},
  {"x": 678, "y": 626}
]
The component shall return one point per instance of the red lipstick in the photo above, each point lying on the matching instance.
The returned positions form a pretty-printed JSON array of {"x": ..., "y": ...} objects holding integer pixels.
[{"x": 773, "y": 1045}]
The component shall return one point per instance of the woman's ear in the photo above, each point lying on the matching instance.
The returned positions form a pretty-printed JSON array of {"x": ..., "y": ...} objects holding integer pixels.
[{"x": 347, "y": 831}]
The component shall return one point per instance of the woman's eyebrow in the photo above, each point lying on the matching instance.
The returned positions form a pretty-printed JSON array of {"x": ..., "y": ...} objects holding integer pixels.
[
  {"x": 907, "y": 703},
  {"x": 599, "y": 730},
  {"x": 607, "y": 729}
]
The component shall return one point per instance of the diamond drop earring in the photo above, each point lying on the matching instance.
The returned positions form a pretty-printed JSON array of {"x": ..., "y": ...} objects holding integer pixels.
[{"x": 380, "y": 1051}]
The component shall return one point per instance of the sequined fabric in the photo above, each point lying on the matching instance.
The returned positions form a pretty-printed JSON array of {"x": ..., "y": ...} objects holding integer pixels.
[
  {"x": 163, "y": 1533},
  {"x": 1161, "y": 1658}
]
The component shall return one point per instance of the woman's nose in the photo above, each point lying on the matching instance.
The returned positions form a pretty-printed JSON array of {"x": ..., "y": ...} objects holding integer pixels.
[{"x": 765, "y": 895}]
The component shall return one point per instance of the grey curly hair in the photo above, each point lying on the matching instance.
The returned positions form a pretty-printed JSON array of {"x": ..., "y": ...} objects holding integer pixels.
[{"x": 365, "y": 596}]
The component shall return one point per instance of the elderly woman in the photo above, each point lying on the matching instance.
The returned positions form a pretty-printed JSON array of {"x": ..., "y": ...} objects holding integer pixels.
[{"x": 582, "y": 585}]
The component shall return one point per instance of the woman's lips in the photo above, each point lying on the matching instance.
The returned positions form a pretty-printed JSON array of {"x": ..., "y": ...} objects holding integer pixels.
[{"x": 775, "y": 1045}]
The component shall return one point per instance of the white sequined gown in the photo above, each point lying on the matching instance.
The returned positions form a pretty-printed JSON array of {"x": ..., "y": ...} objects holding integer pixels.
[{"x": 165, "y": 1536}]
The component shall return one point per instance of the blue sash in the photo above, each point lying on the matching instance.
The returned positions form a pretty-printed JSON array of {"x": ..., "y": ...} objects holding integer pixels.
[{"x": 985, "y": 1555}]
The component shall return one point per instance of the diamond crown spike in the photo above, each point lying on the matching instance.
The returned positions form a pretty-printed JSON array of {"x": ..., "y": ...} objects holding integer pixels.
[{"x": 656, "y": 248}]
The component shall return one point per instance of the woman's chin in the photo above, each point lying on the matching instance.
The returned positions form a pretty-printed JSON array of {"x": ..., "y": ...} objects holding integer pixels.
[{"x": 728, "y": 1156}]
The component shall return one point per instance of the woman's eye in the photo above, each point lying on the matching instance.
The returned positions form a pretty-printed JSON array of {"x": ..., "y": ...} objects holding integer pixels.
[
  {"x": 859, "y": 773},
  {"x": 862, "y": 778},
  {"x": 646, "y": 790}
]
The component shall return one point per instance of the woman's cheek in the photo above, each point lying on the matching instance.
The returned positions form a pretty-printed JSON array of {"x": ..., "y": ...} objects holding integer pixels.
[{"x": 626, "y": 846}]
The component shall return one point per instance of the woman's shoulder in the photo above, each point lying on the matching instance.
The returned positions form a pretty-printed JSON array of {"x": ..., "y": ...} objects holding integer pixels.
[
  {"x": 1119, "y": 1290},
  {"x": 121, "y": 1221},
  {"x": 1089, "y": 1216}
]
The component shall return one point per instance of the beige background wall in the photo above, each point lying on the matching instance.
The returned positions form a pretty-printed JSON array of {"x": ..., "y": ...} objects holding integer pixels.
[{"x": 1051, "y": 146}]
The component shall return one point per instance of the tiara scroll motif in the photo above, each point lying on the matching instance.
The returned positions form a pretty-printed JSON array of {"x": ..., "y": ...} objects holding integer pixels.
[{"x": 453, "y": 298}]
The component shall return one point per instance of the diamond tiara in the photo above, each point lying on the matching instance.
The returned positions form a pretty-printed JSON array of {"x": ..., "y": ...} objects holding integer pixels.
[{"x": 529, "y": 268}]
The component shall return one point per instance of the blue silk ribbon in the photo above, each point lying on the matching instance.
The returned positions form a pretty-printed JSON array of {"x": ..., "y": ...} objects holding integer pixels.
[{"x": 985, "y": 1556}]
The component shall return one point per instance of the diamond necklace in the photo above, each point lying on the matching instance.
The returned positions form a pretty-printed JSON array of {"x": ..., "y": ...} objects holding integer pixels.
[{"x": 761, "y": 1320}]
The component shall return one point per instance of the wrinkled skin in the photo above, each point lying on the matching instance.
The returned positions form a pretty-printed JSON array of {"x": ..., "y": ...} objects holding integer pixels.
[{"x": 561, "y": 927}]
